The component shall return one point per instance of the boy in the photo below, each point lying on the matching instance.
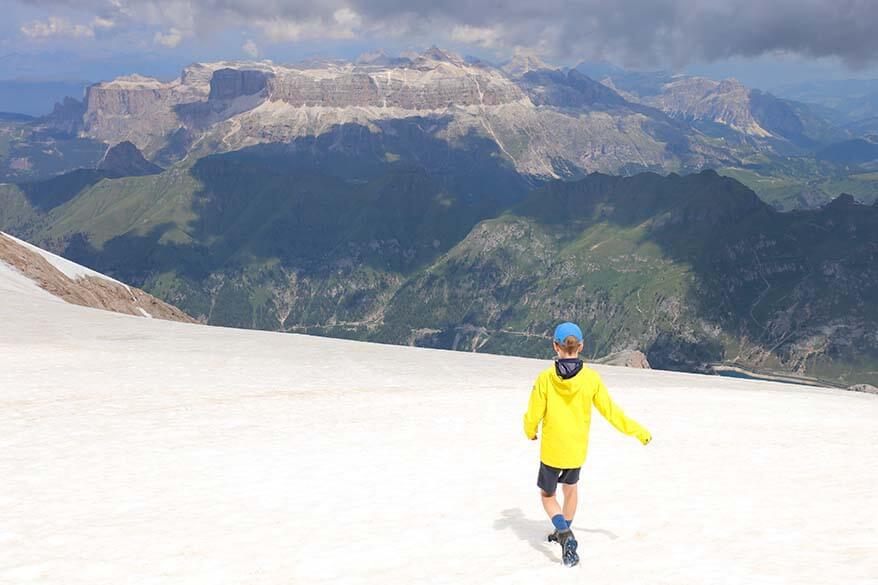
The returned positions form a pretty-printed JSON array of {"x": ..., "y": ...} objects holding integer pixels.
[{"x": 561, "y": 398}]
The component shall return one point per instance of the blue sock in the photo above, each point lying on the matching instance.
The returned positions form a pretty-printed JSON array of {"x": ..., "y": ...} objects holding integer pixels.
[
  {"x": 559, "y": 522},
  {"x": 569, "y": 523}
]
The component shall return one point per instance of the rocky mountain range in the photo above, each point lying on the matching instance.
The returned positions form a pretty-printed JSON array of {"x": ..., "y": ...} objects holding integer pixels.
[
  {"x": 778, "y": 141},
  {"x": 227, "y": 106},
  {"x": 547, "y": 122},
  {"x": 693, "y": 271},
  {"x": 434, "y": 200}
]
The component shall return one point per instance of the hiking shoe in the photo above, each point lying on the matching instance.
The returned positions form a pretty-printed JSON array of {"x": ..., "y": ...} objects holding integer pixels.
[
  {"x": 553, "y": 537},
  {"x": 568, "y": 548}
]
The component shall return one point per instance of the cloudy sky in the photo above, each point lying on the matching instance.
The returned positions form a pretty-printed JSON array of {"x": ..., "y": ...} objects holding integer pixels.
[{"x": 762, "y": 42}]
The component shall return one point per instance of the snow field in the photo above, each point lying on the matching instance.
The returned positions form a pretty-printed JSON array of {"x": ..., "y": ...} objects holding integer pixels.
[{"x": 145, "y": 451}]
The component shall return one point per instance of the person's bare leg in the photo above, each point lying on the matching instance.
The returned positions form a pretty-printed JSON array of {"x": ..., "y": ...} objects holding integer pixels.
[
  {"x": 550, "y": 504},
  {"x": 570, "y": 498}
]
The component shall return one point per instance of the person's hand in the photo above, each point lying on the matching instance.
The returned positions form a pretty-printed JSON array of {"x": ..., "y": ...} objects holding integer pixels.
[
  {"x": 534, "y": 438},
  {"x": 646, "y": 440}
]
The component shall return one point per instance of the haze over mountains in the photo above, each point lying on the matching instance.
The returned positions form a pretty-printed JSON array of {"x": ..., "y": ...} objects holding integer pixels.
[
  {"x": 851, "y": 102},
  {"x": 434, "y": 200},
  {"x": 548, "y": 122}
]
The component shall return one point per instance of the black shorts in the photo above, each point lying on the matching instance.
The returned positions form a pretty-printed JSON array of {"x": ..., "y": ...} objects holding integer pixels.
[{"x": 549, "y": 477}]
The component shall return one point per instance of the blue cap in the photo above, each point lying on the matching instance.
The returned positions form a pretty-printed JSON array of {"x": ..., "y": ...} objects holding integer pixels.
[{"x": 565, "y": 330}]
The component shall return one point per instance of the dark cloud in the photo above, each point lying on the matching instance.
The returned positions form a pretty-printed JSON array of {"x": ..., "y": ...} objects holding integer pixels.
[{"x": 643, "y": 32}]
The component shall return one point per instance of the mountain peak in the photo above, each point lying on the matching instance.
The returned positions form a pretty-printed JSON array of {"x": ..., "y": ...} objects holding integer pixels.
[
  {"x": 377, "y": 57},
  {"x": 434, "y": 53},
  {"x": 380, "y": 58},
  {"x": 730, "y": 84},
  {"x": 522, "y": 62},
  {"x": 126, "y": 160}
]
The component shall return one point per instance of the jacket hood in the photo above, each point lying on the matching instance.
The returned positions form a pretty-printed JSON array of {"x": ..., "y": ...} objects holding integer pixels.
[{"x": 567, "y": 368}]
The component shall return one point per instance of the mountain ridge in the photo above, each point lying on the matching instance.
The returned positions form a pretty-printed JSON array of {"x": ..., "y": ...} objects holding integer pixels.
[
  {"x": 228, "y": 105},
  {"x": 546, "y": 122},
  {"x": 690, "y": 270},
  {"x": 78, "y": 285}
]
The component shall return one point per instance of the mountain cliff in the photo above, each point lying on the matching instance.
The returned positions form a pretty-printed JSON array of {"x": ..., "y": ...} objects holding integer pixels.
[{"x": 545, "y": 122}]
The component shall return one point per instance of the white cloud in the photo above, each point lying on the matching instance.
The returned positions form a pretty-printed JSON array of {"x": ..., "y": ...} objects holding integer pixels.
[
  {"x": 251, "y": 49},
  {"x": 170, "y": 39},
  {"x": 347, "y": 18},
  {"x": 102, "y": 23},
  {"x": 637, "y": 32},
  {"x": 343, "y": 24},
  {"x": 56, "y": 27},
  {"x": 477, "y": 35}
]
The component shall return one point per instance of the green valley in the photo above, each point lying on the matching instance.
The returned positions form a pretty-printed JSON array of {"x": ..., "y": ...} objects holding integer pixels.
[{"x": 692, "y": 270}]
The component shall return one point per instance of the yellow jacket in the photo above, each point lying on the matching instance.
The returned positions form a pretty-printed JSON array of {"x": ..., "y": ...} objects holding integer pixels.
[{"x": 564, "y": 406}]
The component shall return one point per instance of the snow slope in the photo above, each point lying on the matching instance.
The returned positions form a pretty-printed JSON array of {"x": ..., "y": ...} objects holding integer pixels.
[
  {"x": 25, "y": 267},
  {"x": 144, "y": 451},
  {"x": 12, "y": 281}
]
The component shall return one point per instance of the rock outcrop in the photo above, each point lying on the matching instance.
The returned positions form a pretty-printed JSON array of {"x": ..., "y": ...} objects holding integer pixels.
[
  {"x": 421, "y": 89},
  {"x": 228, "y": 83},
  {"x": 66, "y": 116},
  {"x": 80, "y": 286},
  {"x": 140, "y": 109}
]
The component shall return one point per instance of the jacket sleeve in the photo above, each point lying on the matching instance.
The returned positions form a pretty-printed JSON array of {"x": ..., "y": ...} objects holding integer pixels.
[
  {"x": 536, "y": 409},
  {"x": 611, "y": 411}
]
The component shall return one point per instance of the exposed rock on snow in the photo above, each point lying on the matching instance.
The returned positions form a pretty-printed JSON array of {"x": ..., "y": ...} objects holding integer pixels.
[
  {"x": 868, "y": 388},
  {"x": 80, "y": 286}
]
